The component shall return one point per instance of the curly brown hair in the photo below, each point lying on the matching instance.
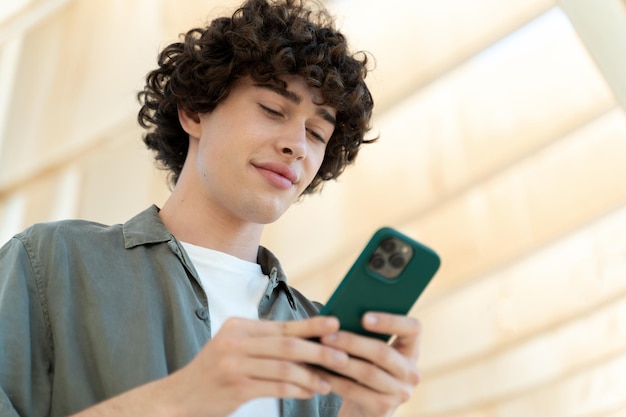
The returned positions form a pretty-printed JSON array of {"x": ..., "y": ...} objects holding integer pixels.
[{"x": 266, "y": 40}]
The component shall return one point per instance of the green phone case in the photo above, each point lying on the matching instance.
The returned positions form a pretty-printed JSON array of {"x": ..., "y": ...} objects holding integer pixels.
[{"x": 363, "y": 289}]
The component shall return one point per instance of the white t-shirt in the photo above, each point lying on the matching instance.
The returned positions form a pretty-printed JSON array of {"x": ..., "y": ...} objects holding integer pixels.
[{"x": 234, "y": 288}]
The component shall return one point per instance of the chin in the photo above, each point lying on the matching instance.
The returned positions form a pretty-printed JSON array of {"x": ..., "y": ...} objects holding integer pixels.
[
  {"x": 267, "y": 214},
  {"x": 266, "y": 209},
  {"x": 264, "y": 220}
]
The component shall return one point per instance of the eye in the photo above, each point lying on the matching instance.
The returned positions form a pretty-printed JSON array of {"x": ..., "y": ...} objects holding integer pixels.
[
  {"x": 270, "y": 111},
  {"x": 318, "y": 137}
]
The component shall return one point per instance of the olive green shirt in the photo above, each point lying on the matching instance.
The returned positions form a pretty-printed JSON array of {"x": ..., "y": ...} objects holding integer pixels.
[{"x": 88, "y": 311}]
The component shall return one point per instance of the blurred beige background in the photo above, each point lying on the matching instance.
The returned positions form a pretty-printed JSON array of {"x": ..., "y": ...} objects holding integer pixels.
[{"x": 503, "y": 146}]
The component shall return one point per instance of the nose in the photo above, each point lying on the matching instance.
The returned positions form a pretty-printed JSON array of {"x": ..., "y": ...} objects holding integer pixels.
[{"x": 293, "y": 141}]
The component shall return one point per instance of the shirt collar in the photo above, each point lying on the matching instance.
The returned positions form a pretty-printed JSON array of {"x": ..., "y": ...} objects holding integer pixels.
[
  {"x": 271, "y": 267},
  {"x": 269, "y": 262},
  {"x": 147, "y": 228}
]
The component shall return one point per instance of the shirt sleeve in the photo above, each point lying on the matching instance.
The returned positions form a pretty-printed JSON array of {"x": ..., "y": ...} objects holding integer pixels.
[{"x": 25, "y": 364}]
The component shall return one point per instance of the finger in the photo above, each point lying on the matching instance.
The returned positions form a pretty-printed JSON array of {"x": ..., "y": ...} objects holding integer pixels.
[
  {"x": 286, "y": 372},
  {"x": 369, "y": 375},
  {"x": 283, "y": 390},
  {"x": 379, "y": 403},
  {"x": 255, "y": 388},
  {"x": 374, "y": 351},
  {"x": 312, "y": 327},
  {"x": 407, "y": 330},
  {"x": 308, "y": 328},
  {"x": 295, "y": 349}
]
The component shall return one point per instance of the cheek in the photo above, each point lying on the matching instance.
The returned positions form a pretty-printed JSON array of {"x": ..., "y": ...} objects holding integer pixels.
[
  {"x": 211, "y": 159},
  {"x": 313, "y": 166},
  {"x": 316, "y": 157}
]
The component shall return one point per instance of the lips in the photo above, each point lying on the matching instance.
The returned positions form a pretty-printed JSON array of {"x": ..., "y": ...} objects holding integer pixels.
[{"x": 278, "y": 174}]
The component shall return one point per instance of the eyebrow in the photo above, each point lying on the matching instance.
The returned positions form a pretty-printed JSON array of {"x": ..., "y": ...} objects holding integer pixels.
[{"x": 297, "y": 99}]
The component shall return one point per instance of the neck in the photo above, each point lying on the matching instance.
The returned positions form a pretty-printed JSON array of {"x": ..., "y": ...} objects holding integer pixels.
[{"x": 203, "y": 224}]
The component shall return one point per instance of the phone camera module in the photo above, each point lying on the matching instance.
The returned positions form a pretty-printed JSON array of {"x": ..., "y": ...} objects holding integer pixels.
[
  {"x": 397, "y": 260},
  {"x": 377, "y": 261},
  {"x": 388, "y": 245},
  {"x": 390, "y": 258}
]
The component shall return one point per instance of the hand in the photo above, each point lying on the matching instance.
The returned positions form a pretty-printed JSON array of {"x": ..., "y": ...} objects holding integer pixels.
[
  {"x": 382, "y": 376},
  {"x": 249, "y": 359}
]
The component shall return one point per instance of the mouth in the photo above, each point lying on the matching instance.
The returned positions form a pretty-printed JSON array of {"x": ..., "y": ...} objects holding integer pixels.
[{"x": 279, "y": 175}]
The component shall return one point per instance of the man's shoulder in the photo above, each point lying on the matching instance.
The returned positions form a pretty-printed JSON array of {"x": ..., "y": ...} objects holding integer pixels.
[
  {"x": 50, "y": 232},
  {"x": 65, "y": 236}
]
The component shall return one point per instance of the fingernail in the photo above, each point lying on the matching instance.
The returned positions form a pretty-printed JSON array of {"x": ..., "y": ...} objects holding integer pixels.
[
  {"x": 330, "y": 337},
  {"x": 414, "y": 377},
  {"x": 340, "y": 358},
  {"x": 370, "y": 319},
  {"x": 324, "y": 387}
]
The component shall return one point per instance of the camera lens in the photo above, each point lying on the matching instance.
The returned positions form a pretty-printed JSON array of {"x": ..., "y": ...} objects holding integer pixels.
[
  {"x": 377, "y": 261},
  {"x": 388, "y": 245},
  {"x": 397, "y": 261}
]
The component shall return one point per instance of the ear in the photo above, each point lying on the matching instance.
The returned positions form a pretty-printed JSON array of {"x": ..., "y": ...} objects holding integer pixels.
[{"x": 190, "y": 122}]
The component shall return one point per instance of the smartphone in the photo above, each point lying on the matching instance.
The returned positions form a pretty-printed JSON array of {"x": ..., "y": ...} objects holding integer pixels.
[{"x": 388, "y": 276}]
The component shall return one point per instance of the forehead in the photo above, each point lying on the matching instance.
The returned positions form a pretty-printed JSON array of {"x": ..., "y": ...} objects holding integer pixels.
[{"x": 299, "y": 84}]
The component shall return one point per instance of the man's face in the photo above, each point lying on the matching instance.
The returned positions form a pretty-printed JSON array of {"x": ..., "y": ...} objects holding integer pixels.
[{"x": 259, "y": 149}]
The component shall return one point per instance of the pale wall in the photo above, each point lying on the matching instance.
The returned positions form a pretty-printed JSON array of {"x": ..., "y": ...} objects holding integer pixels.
[{"x": 502, "y": 146}]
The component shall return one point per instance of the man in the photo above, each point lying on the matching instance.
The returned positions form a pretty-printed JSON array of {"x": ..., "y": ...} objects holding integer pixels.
[{"x": 160, "y": 316}]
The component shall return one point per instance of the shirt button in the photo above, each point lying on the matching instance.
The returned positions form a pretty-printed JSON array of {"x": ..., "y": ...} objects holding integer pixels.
[{"x": 202, "y": 314}]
